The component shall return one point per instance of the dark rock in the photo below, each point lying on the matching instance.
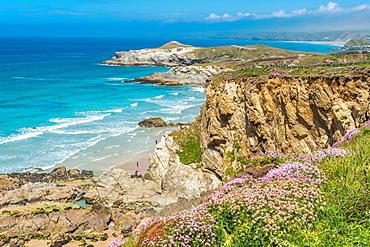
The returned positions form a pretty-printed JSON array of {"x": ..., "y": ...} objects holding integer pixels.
[
  {"x": 15, "y": 180},
  {"x": 76, "y": 237},
  {"x": 176, "y": 124},
  {"x": 259, "y": 172},
  {"x": 153, "y": 122},
  {"x": 90, "y": 245},
  {"x": 117, "y": 202}
]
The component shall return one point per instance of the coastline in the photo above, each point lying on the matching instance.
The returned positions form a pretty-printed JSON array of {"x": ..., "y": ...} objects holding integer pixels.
[{"x": 319, "y": 42}]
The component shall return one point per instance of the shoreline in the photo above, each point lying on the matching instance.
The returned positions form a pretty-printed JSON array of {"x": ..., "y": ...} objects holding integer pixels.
[{"x": 319, "y": 42}]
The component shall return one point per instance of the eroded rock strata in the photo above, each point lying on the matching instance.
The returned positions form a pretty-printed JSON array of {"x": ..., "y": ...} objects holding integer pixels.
[{"x": 285, "y": 114}]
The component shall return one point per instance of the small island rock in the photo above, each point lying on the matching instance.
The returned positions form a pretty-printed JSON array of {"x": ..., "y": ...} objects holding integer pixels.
[{"x": 153, "y": 122}]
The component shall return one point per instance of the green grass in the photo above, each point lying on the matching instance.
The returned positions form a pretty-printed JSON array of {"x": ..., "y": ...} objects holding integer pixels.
[
  {"x": 188, "y": 139},
  {"x": 357, "y": 42},
  {"x": 244, "y": 53},
  {"x": 346, "y": 217}
]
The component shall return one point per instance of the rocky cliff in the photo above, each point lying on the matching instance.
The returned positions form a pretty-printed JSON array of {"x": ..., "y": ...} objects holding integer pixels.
[
  {"x": 171, "y": 54},
  {"x": 188, "y": 75},
  {"x": 197, "y": 65},
  {"x": 285, "y": 113},
  {"x": 176, "y": 178}
]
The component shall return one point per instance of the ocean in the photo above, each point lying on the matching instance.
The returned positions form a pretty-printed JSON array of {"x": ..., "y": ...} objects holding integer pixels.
[{"x": 60, "y": 107}]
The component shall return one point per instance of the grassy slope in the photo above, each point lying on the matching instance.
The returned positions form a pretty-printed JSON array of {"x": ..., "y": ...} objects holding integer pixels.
[
  {"x": 346, "y": 221},
  {"x": 357, "y": 42},
  {"x": 188, "y": 139},
  {"x": 244, "y": 52}
]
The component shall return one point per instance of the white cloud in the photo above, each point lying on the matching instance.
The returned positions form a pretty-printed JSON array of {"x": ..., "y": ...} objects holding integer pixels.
[
  {"x": 300, "y": 12},
  {"x": 329, "y": 8},
  {"x": 280, "y": 13},
  {"x": 361, "y": 7},
  {"x": 213, "y": 16},
  {"x": 241, "y": 14}
]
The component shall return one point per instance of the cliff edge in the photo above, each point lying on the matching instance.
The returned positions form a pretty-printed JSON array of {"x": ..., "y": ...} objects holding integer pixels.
[{"x": 281, "y": 110}]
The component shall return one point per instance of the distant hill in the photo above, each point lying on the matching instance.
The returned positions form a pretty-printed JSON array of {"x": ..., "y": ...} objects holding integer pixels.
[
  {"x": 357, "y": 44},
  {"x": 332, "y": 36}
]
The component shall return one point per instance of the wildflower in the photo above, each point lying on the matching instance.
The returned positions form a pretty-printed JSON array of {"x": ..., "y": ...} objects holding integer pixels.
[{"x": 117, "y": 243}]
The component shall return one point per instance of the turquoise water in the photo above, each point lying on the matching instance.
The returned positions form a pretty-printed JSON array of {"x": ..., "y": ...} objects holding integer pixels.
[{"x": 60, "y": 107}]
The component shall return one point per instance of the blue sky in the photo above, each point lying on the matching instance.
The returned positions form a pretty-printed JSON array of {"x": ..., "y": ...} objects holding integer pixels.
[{"x": 165, "y": 17}]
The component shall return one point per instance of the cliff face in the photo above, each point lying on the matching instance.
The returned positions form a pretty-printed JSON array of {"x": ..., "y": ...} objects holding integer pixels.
[
  {"x": 171, "y": 54},
  {"x": 285, "y": 114},
  {"x": 187, "y": 75},
  {"x": 176, "y": 178}
]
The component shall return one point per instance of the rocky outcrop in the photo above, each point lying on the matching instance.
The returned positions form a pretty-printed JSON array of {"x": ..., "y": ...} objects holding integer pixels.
[
  {"x": 189, "y": 75},
  {"x": 171, "y": 54},
  {"x": 118, "y": 186},
  {"x": 177, "y": 179},
  {"x": 285, "y": 114},
  {"x": 15, "y": 180},
  {"x": 39, "y": 192},
  {"x": 153, "y": 122},
  {"x": 77, "y": 221}
]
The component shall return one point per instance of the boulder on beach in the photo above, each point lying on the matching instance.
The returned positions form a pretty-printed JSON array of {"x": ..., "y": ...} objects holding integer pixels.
[{"x": 153, "y": 122}]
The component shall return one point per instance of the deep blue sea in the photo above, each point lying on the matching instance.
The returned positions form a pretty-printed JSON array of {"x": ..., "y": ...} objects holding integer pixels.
[{"x": 59, "y": 107}]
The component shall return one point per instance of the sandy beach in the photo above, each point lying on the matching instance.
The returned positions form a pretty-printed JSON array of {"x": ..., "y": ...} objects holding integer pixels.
[
  {"x": 319, "y": 42},
  {"x": 141, "y": 165}
]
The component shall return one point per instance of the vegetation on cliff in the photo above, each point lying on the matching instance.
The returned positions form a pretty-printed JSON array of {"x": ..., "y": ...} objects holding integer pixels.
[
  {"x": 316, "y": 200},
  {"x": 245, "y": 53},
  {"x": 357, "y": 42},
  {"x": 188, "y": 139}
]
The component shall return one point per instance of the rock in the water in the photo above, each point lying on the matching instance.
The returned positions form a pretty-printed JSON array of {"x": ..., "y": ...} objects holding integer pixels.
[{"x": 153, "y": 122}]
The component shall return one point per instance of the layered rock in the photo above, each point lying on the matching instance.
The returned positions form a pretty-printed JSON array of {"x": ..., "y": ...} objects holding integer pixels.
[
  {"x": 176, "y": 178},
  {"x": 39, "y": 192},
  {"x": 285, "y": 114},
  {"x": 118, "y": 186},
  {"x": 77, "y": 221}
]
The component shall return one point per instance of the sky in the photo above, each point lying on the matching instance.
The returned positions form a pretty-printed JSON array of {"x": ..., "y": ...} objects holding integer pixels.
[{"x": 122, "y": 18}]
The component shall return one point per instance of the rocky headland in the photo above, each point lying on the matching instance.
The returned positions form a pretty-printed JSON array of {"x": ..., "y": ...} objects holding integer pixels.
[
  {"x": 196, "y": 65},
  {"x": 258, "y": 100},
  {"x": 356, "y": 44}
]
